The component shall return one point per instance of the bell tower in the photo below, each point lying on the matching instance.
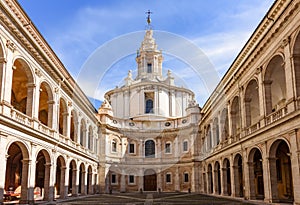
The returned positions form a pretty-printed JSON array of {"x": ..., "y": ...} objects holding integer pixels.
[{"x": 149, "y": 58}]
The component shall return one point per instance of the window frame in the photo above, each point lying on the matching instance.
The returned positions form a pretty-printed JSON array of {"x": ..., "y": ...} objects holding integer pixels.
[
  {"x": 185, "y": 146},
  {"x": 170, "y": 175},
  {"x": 186, "y": 177},
  {"x": 129, "y": 148},
  {"x": 129, "y": 177},
  {"x": 114, "y": 176},
  {"x": 114, "y": 148},
  {"x": 168, "y": 150}
]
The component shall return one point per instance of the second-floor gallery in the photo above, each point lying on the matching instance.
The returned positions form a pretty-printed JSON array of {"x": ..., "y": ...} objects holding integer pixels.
[{"x": 150, "y": 134}]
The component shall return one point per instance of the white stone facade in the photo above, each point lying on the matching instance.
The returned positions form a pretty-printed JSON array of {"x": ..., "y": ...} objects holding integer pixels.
[{"x": 149, "y": 134}]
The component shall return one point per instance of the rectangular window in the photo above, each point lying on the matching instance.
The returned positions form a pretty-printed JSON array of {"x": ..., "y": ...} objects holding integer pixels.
[
  {"x": 149, "y": 68},
  {"x": 113, "y": 179},
  {"x": 168, "y": 178},
  {"x": 131, "y": 179},
  {"x": 185, "y": 146},
  {"x": 168, "y": 148},
  {"x": 186, "y": 177},
  {"x": 131, "y": 148}
]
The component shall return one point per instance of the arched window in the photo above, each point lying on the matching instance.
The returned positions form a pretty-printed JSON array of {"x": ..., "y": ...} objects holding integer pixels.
[
  {"x": 149, "y": 106},
  {"x": 113, "y": 146},
  {"x": 149, "y": 149},
  {"x": 149, "y": 68},
  {"x": 185, "y": 146}
]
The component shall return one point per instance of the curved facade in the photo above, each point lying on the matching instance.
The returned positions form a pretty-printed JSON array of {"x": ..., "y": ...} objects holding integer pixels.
[
  {"x": 149, "y": 126},
  {"x": 149, "y": 134}
]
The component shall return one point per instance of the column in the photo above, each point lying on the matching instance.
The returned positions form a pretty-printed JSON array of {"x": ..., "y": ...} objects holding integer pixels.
[
  {"x": 159, "y": 180},
  {"x": 267, "y": 187},
  {"x": 63, "y": 182},
  {"x": 7, "y": 77},
  {"x": 176, "y": 147},
  {"x": 141, "y": 151},
  {"x": 36, "y": 100},
  {"x": 242, "y": 111},
  {"x": 51, "y": 114},
  {"x": 123, "y": 182},
  {"x": 75, "y": 182},
  {"x": 141, "y": 179},
  {"x": 3, "y": 161},
  {"x": 234, "y": 177},
  {"x": 77, "y": 132},
  {"x": 249, "y": 181},
  {"x": 126, "y": 104},
  {"x": 177, "y": 180},
  {"x": 28, "y": 176},
  {"x": 230, "y": 133},
  {"x": 268, "y": 96},
  {"x": 195, "y": 178},
  {"x": 83, "y": 182},
  {"x": 290, "y": 91},
  {"x": 30, "y": 105},
  {"x": 2, "y": 74},
  {"x": 158, "y": 145},
  {"x": 66, "y": 124},
  {"x": 295, "y": 163},
  {"x": 172, "y": 104},
  {"x": 209, "y": 180},
  {"x": 49, "y": 182},
  {"x": 261, "y": 97},
  {"x": 224, "y": 190},
  {"x": 272, "y": 178}
]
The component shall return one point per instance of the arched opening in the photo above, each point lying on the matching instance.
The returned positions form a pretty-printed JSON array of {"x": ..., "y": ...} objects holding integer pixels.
[
  {"x": 281, "y": 172},
  {"x": 252, "y": 103},
  {"x": 82, "y": 133},
  {"x": 82, "y": 186},
  {"x": 150, "y": 181},
  {"x": 46, "y": 105},
  {"x": 60, "y": 178},
  {"x": 72, "y": 190},
  {"x": 22, "y": 88},
  {"x": 224, "y": 125},
  {"x": 42, "y": 174},
  {"x": 149, "y": 149},
  {"x": 16, "y": 176},
  {"x": 63, "y": 116},
  {"x": 89, "y": 181},
  {"x": 256, "y": 174},
  {"x": 238, "y": 176},
  {"x": 210, "y": 179},
  {"x": 296, "y": 60},
  {"x": 235, "y": 117},
  {"x": 226, "y": 177},
  {"x": 216, "y": 132},
  {"x": 275, "y": 85}
]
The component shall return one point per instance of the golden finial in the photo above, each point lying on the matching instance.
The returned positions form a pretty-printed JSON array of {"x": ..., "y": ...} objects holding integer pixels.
[{"x": 148, "y": 17}]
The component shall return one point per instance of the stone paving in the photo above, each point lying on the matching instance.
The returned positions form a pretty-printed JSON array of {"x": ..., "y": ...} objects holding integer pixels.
[{"x": 152, "y": 199}]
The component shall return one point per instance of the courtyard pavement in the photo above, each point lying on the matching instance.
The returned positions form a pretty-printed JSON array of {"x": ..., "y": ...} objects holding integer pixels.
[{"x": 153, "y": 199}]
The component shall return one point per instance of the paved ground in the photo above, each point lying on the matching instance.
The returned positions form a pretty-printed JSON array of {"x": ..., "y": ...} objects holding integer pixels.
[{"x": 152, "y": 199}]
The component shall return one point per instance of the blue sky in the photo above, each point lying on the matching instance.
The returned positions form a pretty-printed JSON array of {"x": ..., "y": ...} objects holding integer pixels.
[{"x": 75, "y": 29}]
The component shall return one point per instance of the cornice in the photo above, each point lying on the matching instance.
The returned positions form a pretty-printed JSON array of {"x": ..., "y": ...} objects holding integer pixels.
[
  {"x": 260, "y": 40},
  {"x": 20, "y": 26}
]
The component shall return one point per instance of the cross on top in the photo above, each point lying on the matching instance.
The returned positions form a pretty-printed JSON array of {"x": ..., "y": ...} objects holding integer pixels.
[{"x": 148, "y": 17}]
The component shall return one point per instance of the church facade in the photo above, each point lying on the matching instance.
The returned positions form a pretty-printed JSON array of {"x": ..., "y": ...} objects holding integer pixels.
[{"x": 149, "y": 134}]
